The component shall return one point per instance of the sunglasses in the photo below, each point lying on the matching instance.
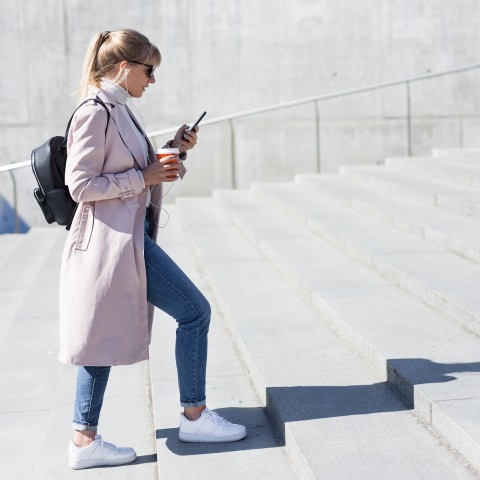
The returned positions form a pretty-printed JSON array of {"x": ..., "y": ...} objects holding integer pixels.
[{"x": 151, "y": 68}]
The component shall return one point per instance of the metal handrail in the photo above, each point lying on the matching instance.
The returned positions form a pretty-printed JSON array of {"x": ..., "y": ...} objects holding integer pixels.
[
  {"x": 315, "y": 99},
  {"x": 294, "y": 103},
  {"x": 327, "y": 96},
  {"x": 13, "y": 166}
]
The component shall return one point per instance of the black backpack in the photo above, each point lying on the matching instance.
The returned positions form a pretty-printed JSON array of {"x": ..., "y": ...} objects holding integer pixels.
[{"x": 48, "y": 165}]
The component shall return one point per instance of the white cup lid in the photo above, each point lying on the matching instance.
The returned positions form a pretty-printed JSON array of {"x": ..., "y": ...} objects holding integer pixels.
[{"x": 169, "y": 151}]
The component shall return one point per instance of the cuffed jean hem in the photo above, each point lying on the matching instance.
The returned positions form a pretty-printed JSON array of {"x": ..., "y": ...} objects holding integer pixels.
[
  {"x": 81, "y": 427},
  {"x": 201, "y": 403}
]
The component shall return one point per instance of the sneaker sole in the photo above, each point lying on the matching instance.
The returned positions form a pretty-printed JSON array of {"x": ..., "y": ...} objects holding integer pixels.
[
  {"x": 192, "y": 438},
  {"x": 99, "y": 463}
]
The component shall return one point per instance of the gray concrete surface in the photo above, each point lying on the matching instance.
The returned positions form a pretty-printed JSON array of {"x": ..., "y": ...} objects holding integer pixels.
[
  {"x": 322, "y": 396},
  {"x": 21, "y": 268},
  {"x": 443, "y": 169},
  {"x": 463, "y": 155},
  {"x": 230, "y": 392},
  {"x": 318, "y": 273},
  {"x": 433, "y": 192},
  {"x": 448, "y": 230},
  {"x": 37, "y": 398},
  {"x": 8, "y": 243},
  {"x": 319, "y": 309},
  {"x": 442, "y": 279}
]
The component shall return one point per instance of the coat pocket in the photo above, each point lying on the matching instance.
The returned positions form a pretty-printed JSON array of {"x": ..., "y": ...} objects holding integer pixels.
[{"x": 85, "y": 228}]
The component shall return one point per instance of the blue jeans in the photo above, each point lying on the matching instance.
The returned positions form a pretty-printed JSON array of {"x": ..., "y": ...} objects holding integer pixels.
[{"x": 169, "y": 289}]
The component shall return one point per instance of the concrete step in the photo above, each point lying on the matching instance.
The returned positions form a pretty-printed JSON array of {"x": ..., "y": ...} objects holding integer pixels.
[
  {"x": 379, "y": 320},
  {"x": 40, "y": 392},
  {"x": 443, "y": 168},
  {"x": 230, "y": 392},
  {"x": 8, "y": 243},
  {"x": 325, "y": 400},
  {"x": 459, "y": 199},
  {"x": 441, "y": 279},
  {"x": 28, "y": 363},
  {"x": 464, "y": 155},
  {"x": 126, "y": 420},
  {"x": 21, "y": 267},
  {"x": 457, "y": 233}
]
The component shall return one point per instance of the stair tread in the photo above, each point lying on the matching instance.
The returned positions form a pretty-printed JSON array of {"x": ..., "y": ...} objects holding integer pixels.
[
  {"x": 409, "y": 180},
  {"x": 343, "y": 277},
  {"x": 42, "y": 390},
  {"x": 8, "y": 243},
  {"x": 27, "y": 354},
  {"x": 458, "y": 232},
  {"x": 463, "y": 155},
  {"x": 436, "y": 192},
  {"x": 300, "y": 343},
  {"x": 229, "y": 392},
  {"x": 20, "y": 268},
  {"x": 315, "y": 257},
  {"x": 468, "y": 174},
  {"x": 445, "y": 274},
  {"x": 127, "y": 392}
]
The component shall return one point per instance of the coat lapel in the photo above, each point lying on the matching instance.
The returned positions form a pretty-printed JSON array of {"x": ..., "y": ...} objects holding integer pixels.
[{"x": 125, "y": 130}]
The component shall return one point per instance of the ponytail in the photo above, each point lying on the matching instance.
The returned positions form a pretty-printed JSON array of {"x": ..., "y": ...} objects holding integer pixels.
[
  {"x": 90, "y": 64},
  {"x": 107, "y": 49}
]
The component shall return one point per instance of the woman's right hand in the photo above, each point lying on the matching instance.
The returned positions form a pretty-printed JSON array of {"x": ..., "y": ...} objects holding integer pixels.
[{"x": 164, "y": 170}]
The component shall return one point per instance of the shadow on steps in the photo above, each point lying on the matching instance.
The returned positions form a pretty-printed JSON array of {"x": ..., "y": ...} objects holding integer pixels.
[
  {"x": 404, "y": 373},
  {"x": 301, "y": 403}
]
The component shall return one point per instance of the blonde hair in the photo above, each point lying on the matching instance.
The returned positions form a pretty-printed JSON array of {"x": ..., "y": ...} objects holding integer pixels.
[{"x": 107, "y": 49}]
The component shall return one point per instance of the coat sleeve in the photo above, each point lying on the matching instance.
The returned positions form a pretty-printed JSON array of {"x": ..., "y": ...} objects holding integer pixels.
[{"x": 86, "y": 157}]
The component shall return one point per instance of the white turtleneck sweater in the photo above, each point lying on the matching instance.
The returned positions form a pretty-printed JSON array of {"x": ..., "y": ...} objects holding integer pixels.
[{"x": 121, "y": 96}]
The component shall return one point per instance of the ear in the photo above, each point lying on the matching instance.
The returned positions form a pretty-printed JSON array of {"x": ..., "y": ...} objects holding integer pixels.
[{"x": 123, "y": 64}]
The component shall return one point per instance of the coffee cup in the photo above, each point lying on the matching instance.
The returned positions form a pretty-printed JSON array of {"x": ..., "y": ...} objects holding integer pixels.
[{"x": 166, "y": 152}]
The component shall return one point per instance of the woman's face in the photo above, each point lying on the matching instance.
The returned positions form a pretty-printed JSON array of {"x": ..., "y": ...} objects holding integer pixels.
[{"x": 138, "y": 79}]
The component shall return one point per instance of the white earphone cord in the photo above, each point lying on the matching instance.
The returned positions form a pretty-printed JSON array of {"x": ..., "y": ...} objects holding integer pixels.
[{"x": 142, "y": 123}]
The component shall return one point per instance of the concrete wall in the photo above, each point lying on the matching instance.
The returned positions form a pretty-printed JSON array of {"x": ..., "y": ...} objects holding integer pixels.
[{"x": 224, "y": 56}]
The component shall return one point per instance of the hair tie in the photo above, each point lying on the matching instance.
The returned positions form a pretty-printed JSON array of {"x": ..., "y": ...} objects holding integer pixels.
[{"x": 102, "y": 39}]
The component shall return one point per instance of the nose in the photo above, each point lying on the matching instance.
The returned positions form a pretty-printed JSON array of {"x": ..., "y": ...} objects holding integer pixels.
[{"x": 152, "y": 79}]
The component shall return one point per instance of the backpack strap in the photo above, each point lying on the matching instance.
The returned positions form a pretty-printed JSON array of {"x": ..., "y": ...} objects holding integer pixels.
[
  {"x": 96, "y": 100},
  {"x": 64, "y": 143}
]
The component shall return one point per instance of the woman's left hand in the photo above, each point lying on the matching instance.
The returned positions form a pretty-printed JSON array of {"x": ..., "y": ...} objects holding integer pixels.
[{"x": 185, "y": 139}]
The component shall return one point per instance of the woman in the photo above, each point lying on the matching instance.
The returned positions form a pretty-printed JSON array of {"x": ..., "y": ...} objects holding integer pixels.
[{"x": 113, "y": 272}]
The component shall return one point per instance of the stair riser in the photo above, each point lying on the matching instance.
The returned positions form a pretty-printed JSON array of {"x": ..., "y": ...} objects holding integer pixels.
[
  {"x": 454, "y": 435},
  {"x": 282, "y": 429}
]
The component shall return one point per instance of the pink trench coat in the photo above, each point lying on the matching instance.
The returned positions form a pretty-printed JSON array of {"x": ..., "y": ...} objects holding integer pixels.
[{"x": 104, "y": 315}]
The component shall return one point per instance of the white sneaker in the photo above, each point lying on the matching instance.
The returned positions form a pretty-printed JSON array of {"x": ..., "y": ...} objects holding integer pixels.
[
  {"x": 210, "y": 427},
  {"x": 99, "y": 453}
]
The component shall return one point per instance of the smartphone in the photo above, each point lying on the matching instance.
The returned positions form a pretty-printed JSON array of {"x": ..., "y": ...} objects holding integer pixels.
[{"x": 198, "y": 121}]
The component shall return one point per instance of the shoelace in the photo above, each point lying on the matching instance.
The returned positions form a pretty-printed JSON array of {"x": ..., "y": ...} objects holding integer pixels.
[
  {"x": 216, "y": 418},
  {"x": 107, "y": 444}
]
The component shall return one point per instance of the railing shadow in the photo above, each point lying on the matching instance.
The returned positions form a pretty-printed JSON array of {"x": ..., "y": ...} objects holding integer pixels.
[
  {"x": 420, "y": 371},
  {"x": 301, "y": 403}
]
